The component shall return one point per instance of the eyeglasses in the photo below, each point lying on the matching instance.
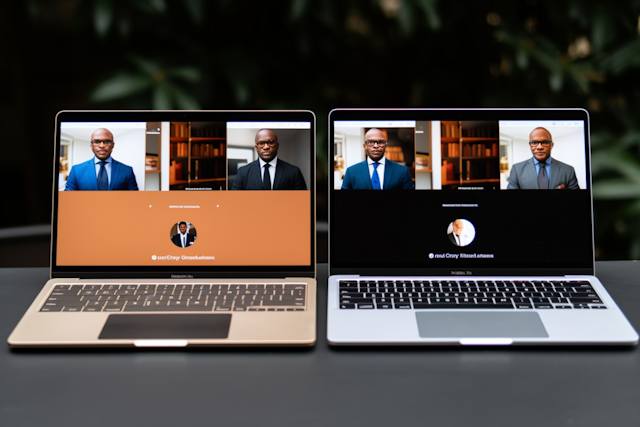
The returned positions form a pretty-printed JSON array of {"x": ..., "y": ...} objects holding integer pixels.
[
  {"x": 102, "y": 141},
  {"x": 269, "y": 143},
  {"x": 371, "y": 143},
  {"x": 544, "y": 143}
]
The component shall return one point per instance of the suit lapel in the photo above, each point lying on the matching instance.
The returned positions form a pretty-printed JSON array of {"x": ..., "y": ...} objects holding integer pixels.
[
  {"x": 278, "y": 172},
  {"x": 92, "y": 175},
  {"x": 388, "y": 173},
  {"x": 553, "y": 179},
  {"x": 530, "y": 174},
  {"x": 364, "y": 175},
  {"x": 255, "y": 176}
]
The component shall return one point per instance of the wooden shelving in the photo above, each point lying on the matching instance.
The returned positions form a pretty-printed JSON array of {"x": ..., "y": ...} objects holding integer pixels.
[
  {"x": 198, "y": 155},
  {"x": 470, "y": 154}
]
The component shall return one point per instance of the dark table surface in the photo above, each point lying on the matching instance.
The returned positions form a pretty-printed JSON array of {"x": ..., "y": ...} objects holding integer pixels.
[{"x": 321, "y": 386}]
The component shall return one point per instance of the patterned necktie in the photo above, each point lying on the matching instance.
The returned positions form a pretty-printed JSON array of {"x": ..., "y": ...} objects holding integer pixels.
[
  {"x": 375, "y": 179},
  {"x": 103, "y": 179},
  {"x": 543, "y": 183},
  {"x": 266, "y": 178}
]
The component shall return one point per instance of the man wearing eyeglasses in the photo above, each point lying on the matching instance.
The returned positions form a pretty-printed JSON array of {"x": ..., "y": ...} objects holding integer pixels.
[
  {"x": 268, "y": 172},
  {"x": 102, "y": 172},
  {"x": 376, "y": 172},
  {"x": 542, "y": 172}
]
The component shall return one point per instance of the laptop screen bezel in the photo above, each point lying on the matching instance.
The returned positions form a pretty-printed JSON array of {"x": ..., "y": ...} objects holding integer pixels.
[{"x": 209, "y": 271}]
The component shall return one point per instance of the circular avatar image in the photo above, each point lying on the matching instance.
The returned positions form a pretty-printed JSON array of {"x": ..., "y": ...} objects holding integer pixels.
[
  {"x": 183, "y": 234},
  {"x": 461, "y": 232}
]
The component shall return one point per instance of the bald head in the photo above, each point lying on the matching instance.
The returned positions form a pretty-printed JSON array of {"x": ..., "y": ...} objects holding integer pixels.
[
  {"x": 102, "y": 143},
  {"x": 375, "y": 142},
  {"x": 266, "y": 144}
]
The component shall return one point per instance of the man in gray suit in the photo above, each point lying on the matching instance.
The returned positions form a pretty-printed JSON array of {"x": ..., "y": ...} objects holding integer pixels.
[{"x": 541, "y": 171}]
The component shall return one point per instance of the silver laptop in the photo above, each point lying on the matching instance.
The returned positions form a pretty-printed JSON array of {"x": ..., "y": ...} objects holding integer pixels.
[
  {"x": 441, "y": 230},
  {"x": 179, "y": 228}
]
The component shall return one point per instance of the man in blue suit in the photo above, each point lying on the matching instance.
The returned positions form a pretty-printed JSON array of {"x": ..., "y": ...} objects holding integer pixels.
[
  {"x": 541, "y": 172},
  {"x": 376, "y": 172},
  {"x": 268, "y": 172},
  {"x": 102, "y": 172}
]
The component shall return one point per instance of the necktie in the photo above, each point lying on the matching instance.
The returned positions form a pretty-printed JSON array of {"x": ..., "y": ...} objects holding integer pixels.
[
  {"x": 184, "y": 241},
  {"x": 543, "y": 183},
  {"x": 375, "y": 179},
  {"x": 266, "y": 178},
  {"x": 103, "y": 179}
]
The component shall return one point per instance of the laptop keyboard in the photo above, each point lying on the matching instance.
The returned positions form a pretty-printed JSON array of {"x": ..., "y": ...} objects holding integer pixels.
[
  {"x": 176, "y": 297},
  {"x": 426, "y": 294}
]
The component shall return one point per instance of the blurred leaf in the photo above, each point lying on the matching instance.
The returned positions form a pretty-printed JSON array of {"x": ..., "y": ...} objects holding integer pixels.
[
  {"x": 102, "y": 16},
  {"x": 555, "y": 81},
  {"x": 406, "y": 15},
  {"x": 161, "y": 97},
  {"x": 145, "y": 66},
  {"x": 602, "y": 29},
  {"x": 628, "y": 56},
  {"x": 622, "y": 163},
  {"x": 195, "y": 9},
  {"x": 522, "y": 59},
  {"x": 429, "y": 9},
  {"x": 184, "y": 100},
  {"x": 577, "y": 72},
  {"x": 150, "y": 6},
  {"x": 298, "y": 8},
  {"x": 119, "y": 86},
  {"x": 632, "y": 210},
  {"x": 615, "y": 189},
  {"x": 241, "y": 92},
  {"x": 187, "y": 74}
]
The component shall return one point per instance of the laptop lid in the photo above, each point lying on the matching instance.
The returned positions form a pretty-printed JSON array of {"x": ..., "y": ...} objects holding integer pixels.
[
  {"x": 461, "y": 194},
  {"x": 173, "y": 200}
]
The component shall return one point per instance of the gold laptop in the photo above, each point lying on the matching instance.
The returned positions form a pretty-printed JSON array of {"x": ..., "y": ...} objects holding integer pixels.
[{"x": 180, "y": 228}]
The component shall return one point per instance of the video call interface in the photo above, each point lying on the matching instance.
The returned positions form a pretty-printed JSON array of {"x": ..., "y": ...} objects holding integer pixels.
[
  {"x": 175, "y": 194},
  {"x": 459, "y": 194}
]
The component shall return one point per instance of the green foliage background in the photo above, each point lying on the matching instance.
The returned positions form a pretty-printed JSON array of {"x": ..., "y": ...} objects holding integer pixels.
[{"x": 319, "y": 55}]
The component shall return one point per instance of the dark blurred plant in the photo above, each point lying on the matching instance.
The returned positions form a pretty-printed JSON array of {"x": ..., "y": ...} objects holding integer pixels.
[{"x": 323, "y": 54}]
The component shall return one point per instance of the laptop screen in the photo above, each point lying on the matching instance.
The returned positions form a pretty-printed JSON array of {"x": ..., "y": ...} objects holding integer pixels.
[
  {"x": 184, "y": 192},
  {"x": 460, "y": 192}
]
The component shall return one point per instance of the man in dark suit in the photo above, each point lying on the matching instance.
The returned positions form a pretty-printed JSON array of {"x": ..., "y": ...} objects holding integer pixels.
[
  {"x": 183, "y": 239},
  {"x": 366, "y": 175},
  {"x": 456, "y": 236},
  {"x": 102, "y": 172},
  {"x": 541, "y": 172},
  {"x": 268, "y": 172}
]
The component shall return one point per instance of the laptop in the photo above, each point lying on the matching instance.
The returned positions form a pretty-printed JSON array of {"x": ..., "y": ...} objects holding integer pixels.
[
  {"x": 463, "y": 245},
  {"x": 156, "y": 242}
]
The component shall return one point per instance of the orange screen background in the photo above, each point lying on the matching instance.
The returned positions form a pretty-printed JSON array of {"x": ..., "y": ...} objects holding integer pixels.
[{"x": 236, "y": 227}]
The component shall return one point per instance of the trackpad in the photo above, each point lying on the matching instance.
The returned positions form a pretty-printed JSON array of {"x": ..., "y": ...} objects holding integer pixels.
[
  {"x": 451, "y": 324},
  {"x": 166, "y": 326}
]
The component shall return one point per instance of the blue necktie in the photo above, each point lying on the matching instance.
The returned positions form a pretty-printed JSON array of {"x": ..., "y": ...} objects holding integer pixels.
[
  {"x": 375, "y": 179},
  {"x": 103, "y": 179}
]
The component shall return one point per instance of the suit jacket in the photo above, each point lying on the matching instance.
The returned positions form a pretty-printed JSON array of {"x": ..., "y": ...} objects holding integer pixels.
[
  {"x": 396, "y": 177},
  {"x": 83, "y": 177},
  {"x": 523, "y": 176},
  {"x": 453, "y": 239},
  {"x": 288, "y": 177},
  {"x": 176, "y": 240}
]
